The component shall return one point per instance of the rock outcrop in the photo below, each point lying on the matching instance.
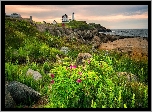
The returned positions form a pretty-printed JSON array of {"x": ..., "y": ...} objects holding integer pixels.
[
  {"x": 84, "y": 36},
  {"x": 21, "y": 94},
  {"x": 9, "y": 102}
]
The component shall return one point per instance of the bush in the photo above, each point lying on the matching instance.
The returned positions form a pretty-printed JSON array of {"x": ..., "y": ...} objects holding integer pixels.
[{"x": 91, "y": 86}]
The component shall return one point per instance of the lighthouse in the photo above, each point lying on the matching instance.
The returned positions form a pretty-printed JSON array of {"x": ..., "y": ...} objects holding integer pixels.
[{"x": 73, "y": 16}]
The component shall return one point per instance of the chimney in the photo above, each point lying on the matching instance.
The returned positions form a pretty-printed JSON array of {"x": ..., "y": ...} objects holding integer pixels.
[
  {"x": 73, "y": 16},
  {"x": 30, "y": 18}
]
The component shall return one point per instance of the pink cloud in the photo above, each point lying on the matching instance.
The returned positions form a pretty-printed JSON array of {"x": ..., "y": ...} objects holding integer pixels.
[
  {"x": 101, "y": 14},
  {"x": 112, "y": 18},
  {"x": 33, "y": 8}
]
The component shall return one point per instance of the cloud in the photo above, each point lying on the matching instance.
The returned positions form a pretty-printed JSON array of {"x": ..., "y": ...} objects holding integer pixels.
[
  {"x": 90, "y": 13},
  {"x": 113, "y": 18}
]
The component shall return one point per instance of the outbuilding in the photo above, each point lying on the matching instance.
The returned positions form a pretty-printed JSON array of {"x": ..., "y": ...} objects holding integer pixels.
[{"x": 54, "y": 22}]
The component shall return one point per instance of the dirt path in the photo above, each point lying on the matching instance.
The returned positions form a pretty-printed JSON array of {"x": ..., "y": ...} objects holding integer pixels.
[{"x": 136, "y": 47}]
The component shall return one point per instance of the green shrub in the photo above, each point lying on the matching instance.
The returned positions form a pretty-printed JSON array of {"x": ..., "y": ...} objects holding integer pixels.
[{"x": 90, "y": 86}]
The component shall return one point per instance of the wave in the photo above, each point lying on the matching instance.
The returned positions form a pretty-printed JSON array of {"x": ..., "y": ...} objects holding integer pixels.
[{"x": 128, "y": 32}]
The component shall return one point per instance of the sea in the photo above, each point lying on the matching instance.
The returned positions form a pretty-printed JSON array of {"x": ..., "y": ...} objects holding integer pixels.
[{"x": 128, "y": 32}]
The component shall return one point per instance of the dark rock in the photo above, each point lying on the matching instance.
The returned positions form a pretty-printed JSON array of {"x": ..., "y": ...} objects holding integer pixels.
[
  {"x": 95, "y": 32},
  {"x": 108, "y": 30},
  {"x": 9, "y": 102},
  {"x": 23, "y": 94}
]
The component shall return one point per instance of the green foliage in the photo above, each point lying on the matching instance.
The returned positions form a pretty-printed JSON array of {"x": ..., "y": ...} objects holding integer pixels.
[
  {"x": 78, "y": 25},
  {"x": 73, "y": 53},
  {"x": 96, "y": 89},
  {"x": 94, "y": 85}
]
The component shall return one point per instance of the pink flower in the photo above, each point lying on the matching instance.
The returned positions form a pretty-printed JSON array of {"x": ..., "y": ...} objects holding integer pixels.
[
  {"x": 80, "y": 73},
  {"x": 52, "y": 75},
  {"x": 89, "y": 61},
  {"x": 79, "y": 80},
  {"x": 52, "y": 81},
  {"x": 72, "y": 66}
]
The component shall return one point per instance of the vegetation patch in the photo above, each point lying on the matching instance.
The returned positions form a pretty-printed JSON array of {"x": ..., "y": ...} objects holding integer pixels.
[{"x": 93, "y": 85}]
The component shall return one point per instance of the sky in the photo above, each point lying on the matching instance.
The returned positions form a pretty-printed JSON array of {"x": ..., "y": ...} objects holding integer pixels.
[{"x": 109, "y": 16}]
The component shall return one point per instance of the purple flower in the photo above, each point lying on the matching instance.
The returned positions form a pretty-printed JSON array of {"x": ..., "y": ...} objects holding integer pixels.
[
  {"x": 79, "y": 80},
  {"x": 52, "y": 81},
  {"x": 72, "y": 66},
  {"x": 52, "y": 75}
]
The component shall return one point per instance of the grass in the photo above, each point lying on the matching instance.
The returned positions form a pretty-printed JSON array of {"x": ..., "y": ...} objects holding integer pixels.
[{"x": 95, "y": 85}]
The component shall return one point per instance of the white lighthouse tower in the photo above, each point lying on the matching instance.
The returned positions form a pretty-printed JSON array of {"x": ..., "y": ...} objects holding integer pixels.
[{"x": 73, "y": 16}]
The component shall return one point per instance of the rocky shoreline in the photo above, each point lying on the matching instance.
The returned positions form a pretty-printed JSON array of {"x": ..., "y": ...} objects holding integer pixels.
[{"x": 100, "y": 40}]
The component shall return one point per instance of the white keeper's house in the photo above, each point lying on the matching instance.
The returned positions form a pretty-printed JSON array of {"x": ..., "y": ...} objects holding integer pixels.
[{"x": 65, "y": 18}]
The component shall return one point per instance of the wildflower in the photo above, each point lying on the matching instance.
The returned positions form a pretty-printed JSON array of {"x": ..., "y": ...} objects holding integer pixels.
[
  {"x": 79, "y": 80},
  {"x": 88, "y": 61},
  {"x": 72, "y": 66},
  {"x": 52, "y": 75},
  {"x": 52, "y": 81},
  {"x": 80, "y": 73}
]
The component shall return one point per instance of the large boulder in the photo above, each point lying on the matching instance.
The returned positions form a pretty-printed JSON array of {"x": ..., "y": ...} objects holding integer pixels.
[
  {"x": 82, "y": 57},
  {"x": 23, "y": 94},
  {"x": 9, "y": 102},
  {"x": 96, "y": 41},
  {"x": 36, "y": 75}
]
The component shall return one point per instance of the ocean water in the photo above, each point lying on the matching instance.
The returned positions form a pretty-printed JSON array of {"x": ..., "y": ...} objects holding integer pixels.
[{"x": 128, "y": 32}]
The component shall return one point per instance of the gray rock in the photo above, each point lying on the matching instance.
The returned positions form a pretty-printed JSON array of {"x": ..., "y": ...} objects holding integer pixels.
[
  {"x": 68, "y": 31},
  {"x": 128, "y": 76},
  {"x": 41, "y": 27},
  {"x": 36, "y": 75},
  {"x": 58, "y": 33},
  {"x": 96, "y": 41},
  {"x": 9, "y": 102},
  {"x": 23, "y": 94},
  {"x": 65, "y": 50},
  {"x": 82, "y": 57}
]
